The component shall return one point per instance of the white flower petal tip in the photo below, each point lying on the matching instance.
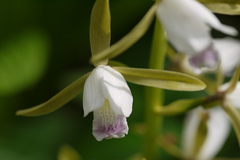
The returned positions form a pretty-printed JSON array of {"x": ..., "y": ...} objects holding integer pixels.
[
  {"x": 107, "y": 124},
  {"x": 229, "y": 52},
  {"x": 187, "y": 24},
  {"x": 227, "y": 29},
  {"x": 106, "y": 83},
  {"x": 218, "y": 128},
  {"x": 233, "y": 97}
]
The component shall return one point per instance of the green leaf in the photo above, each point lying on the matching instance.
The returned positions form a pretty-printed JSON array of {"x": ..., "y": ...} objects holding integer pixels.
[
  {"x": 58, "y": 100},
  {"x": 127, "y": 41},
  {"x": 100, "y": 29},
  {"x": 220, "y": 1},
  {"x": 234, "y": 117},
  {"x": 179, "y": 106},
  {"x": 161, "y": 79},
  {"x": 23, "y": 61},
  {"x": 223, "y": 8},
  {"x": 68, "y": 153},
  {"x": 234, "y": 80}
]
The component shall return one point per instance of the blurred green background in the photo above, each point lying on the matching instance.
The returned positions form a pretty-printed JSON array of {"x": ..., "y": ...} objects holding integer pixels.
[{"x": 44, "y": 46}]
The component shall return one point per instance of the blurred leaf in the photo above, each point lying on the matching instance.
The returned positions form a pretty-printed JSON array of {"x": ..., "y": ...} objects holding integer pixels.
[
  {"x": 127, "y": 41},
  {"x": 234, "y": 80},
  {"x": 222, "y": 8},
  {"x": 235, "y": 119},
  {"x": 23, "y": 60},
  {"x": 161, "y": 79},
  {"x": 58, "y": 100},
  {"x": 68, "y": 153},
  {"x": 100, "y": 31},
  {"x": 220, "y": 1},
  {"x": 179, "y": 106}
]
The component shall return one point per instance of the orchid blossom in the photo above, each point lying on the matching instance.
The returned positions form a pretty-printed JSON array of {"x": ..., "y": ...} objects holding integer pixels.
[
  {"x": 187, "y": 24},
  {"x": 228, "y": 51},
  {"x": 107, "y": 94},
  {"x": 218, "y": 127}
]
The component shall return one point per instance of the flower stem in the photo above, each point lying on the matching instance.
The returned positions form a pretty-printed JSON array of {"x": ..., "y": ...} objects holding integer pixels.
[{"x": 154, "y": 96}]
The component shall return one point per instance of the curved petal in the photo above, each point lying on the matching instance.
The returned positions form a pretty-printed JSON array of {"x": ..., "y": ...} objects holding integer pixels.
[
  {"x": 186, "y": 32},
  {"x": 229, "y": 52},
  {"x": 107, "y": 83},
  {"x": 191, "y": 123},
  {"x": 116, "y": 90},
  {"x": 233, "y": 97},
  {"x": 203, "y": 13},
  {"x": 92, "y": 93},
  {"x": 218, "y": 131}
]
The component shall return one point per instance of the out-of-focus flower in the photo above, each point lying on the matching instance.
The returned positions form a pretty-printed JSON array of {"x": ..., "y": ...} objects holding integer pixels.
[
  {"x": 218, "y": 128},
  {"x": 227, "y": 49},
  {"x": 107, "y": 94},
  {"x": 187, "y": 24}
]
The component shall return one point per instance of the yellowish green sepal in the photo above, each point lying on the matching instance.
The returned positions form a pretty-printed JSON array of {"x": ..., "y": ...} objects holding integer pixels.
[
  {"x": 100, "y": 29},
  {"x": 234, "y": 80},
  {"x": 161, "y": 79},
  {"x": 234, "y": 117},
  {"x": 223, "y": 8},
  {"x": 179, "y": 106},
  {"x": 220, "y": 1},
  {"x": 58, "y": 100},
  {"x": 128, "y": 40}
]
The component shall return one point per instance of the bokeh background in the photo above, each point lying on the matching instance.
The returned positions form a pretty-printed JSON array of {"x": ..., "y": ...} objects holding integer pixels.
[{"x": 44, "y": 46}]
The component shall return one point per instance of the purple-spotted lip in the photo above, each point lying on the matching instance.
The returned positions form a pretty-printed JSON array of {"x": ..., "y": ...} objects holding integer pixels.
[
  {"x": 108, "y": 131},
  {"x": 208, "y": 58}
]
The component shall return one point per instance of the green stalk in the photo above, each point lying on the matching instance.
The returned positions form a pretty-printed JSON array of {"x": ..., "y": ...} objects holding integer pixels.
[{"x": 154, "y": 96}]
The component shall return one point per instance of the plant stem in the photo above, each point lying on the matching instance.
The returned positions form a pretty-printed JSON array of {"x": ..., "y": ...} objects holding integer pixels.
[{"x": 154, "y": 96}]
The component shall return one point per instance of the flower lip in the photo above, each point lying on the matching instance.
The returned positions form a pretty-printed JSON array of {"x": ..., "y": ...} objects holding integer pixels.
[{"x": 107, "y": 124}]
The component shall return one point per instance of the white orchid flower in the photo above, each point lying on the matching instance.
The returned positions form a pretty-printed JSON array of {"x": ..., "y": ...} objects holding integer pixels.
[
  {"x": 187, "y": 24},
  {"x": 228, "y": 50},
  {"x": 218, "y": 129},
  {"x": 107, "y": 94}
]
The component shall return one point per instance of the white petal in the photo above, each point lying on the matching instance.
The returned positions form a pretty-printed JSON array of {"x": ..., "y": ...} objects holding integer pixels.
[
  {"x": 233, "y": 97},
  {"x": 191, "y": 124},
  {"x": 229, "y": 52},
  {"x": 218, "y": 131},
  {"x": 92, "y": 93},
  {"x": 203, "y": 13},
  {"x": 185, "y": 31},
  {"x": 106, "y": 83},
  {"x": 116, "y": 90}
]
